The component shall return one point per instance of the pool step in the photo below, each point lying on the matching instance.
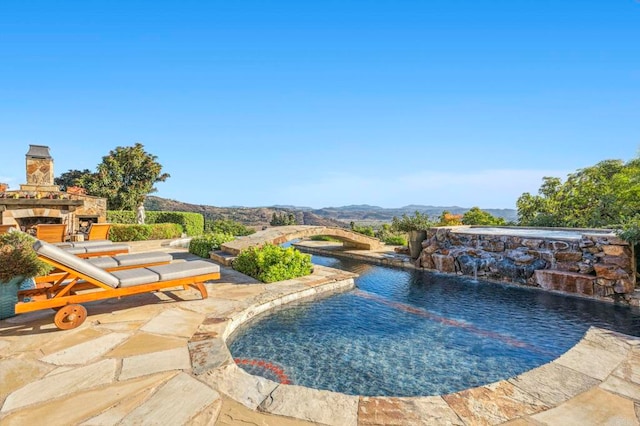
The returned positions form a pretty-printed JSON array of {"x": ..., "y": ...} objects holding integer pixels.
[{"x": 222, "y": 257}]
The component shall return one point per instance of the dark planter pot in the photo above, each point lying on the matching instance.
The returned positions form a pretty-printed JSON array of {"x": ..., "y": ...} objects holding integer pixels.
[
  {"x": 9, "y": 296},
  {"x": 415, "y": 242}
]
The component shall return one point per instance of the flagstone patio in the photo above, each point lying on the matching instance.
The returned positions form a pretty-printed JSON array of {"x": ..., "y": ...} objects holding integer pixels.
[{"x": 161, "y": 359}]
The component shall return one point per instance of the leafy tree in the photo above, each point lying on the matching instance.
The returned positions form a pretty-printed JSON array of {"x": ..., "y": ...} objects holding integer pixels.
[
  {"x": 449, "y": 219},
  {"x": 125, "y": 177},
  {"x": 71, "y": 178},
  {"x": 598, "y": 196},
  {"x": 417, "y": 222},
  {"x": 475, "y": 216},
  {"x": 282, "y": 219}
]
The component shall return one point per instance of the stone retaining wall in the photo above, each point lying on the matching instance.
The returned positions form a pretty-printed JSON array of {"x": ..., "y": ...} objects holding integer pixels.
[{"x": 593, "y": 264}]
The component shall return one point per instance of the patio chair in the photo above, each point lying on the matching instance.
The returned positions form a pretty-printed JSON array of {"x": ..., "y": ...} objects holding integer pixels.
[
  {"x": 5, "y": 228},
  {"x": 114, "y": 263},
  {"x": 85, "y": 282},
  {"x": 99, "y": 231},
  {"x": 51, "y": 233}
]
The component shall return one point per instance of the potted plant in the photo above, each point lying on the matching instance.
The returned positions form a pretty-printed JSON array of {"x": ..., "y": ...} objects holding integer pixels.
[
  {"x": 416, "y": 227},
  {"x": 18, "y": 262}
]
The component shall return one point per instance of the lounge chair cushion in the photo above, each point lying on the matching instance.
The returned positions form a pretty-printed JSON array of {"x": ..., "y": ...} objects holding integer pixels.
[
  {"x": 104, "y": 262},
  {"x": 136, "y": 276},
  {"x": 184, "y": 269},
  {"x": 90, "y": 243},
  {"x": 73, "y": 262},
  {"x": 105, "y": 247},
  {"x": 75, "y": 250},
  {"x": 64, "y": 245},
  {"x": 142, "y": 258}
]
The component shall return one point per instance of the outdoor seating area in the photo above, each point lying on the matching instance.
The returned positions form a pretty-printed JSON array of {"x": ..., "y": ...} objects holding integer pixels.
[
  {"x": 81, "y": 281},
  {"x": 142, "y": 351}
]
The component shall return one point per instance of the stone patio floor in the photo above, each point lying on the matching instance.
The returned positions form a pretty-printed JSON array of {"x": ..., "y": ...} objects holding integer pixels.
[{"x": 161, "y": 359}]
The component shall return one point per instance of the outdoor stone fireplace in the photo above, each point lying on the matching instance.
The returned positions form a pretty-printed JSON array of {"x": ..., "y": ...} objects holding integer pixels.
[{"x": 39, "y": 201}]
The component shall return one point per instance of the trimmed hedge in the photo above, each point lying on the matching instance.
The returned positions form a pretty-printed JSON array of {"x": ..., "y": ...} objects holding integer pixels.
[
  {"x": 271, "y": 263},
  {"x": 228, "y": 226},
  {"x": 396, "y": 240},
  {"x": 134, "y": 232},
  {"x": 192, "y": 223},
  {"x": 202, "y": 245}
]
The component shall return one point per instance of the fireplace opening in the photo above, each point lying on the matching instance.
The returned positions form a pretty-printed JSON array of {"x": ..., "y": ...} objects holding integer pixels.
[
  {"x": 84, "y": 223},
  {"x": 28, "y": 224}
]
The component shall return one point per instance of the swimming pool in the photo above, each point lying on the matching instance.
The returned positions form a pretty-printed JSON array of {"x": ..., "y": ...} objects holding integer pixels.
[{"x": 411, "y": 333}]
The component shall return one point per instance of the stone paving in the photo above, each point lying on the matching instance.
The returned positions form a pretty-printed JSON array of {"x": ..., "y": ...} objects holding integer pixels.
[{"x": 161, "y": 359}]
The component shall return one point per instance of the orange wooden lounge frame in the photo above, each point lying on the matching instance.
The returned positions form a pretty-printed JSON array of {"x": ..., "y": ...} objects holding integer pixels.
[{"x": 64, "y": 292}]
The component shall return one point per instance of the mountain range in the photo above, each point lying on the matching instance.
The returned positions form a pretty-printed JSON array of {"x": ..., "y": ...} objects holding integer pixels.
[{"x": 362, "y": 214}]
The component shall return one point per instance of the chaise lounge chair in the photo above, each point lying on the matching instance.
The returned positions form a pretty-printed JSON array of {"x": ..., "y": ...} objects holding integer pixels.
[
  {"x": 114, "y": 263},
  {"x": 85, "y": 282}
]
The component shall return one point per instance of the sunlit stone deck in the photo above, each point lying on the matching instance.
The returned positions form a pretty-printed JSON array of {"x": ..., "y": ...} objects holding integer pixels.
[{"x": 161, "y": 359}]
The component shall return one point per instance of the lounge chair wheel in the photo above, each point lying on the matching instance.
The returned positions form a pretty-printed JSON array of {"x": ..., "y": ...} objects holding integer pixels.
[{"x": 70, "y": 316}]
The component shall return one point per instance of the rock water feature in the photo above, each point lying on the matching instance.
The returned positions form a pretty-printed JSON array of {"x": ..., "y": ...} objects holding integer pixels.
[{"x": 593, "y": 263}]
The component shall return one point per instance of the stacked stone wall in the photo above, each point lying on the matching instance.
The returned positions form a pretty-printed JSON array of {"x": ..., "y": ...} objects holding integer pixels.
[{"x": 595, "y": 264}]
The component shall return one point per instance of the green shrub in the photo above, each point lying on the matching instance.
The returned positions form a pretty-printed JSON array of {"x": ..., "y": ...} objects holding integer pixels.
[
  {"x": 365, "y": 230},
  {"x": 192, "y": 223},
  {"x": 165, "y": 231},
  {"x": 18, "y": 258},
  {"x": 323, "y": 238},
  {"x": 202, "y": 245},
  {"x": 396, "y": 240},
  {"x": 227, "y": 226},
  {"x": 271, "y": 263},
  {"x": 134, "y": 232},
  {"x": 121, "y": 216},
  {"x": 119, "y": 232}
]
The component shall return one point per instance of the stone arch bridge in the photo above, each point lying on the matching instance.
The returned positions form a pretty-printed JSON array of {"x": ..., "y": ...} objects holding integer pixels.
[{"x": 282, "y": 234}]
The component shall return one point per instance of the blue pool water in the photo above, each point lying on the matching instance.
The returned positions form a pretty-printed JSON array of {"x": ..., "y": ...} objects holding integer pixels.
[{"x": 411, "y": 333}]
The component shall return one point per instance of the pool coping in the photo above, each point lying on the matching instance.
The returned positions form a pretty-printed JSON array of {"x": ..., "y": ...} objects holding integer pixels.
[{"x": 600, "y": 360}]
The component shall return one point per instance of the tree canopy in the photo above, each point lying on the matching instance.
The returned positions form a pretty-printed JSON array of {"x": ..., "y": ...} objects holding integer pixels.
[
  {"x": 282, "y": 219},
  {"x": 475, "y": 216},
  {"x": 604, "y": 195},
  {"x": 125, "y": 177},
  {"x": 71, "y": 178}
]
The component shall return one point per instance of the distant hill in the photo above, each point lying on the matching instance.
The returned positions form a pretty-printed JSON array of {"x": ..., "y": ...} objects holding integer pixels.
[
  {"x": 256, "y": 217},
  {"x": 374, "y": 213},
  {"x": 328, "y": 216}
]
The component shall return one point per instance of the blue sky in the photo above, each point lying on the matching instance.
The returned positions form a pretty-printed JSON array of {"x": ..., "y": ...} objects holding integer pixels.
[{"x": 325, "y": 103}]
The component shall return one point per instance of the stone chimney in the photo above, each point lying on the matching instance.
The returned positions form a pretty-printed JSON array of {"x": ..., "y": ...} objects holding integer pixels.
[{"x": 39, "y": 170}]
